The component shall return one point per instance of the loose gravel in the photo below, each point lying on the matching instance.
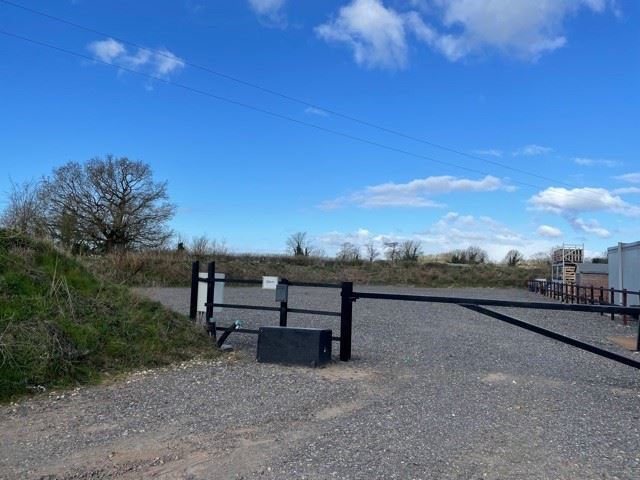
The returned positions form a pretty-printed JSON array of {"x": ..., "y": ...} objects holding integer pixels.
[{"x": 434, "y": 391}]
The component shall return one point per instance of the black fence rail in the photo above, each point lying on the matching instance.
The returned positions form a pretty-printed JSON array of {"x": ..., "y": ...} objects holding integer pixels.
[
  {"x": 479, "y": 306},
  {"x": 586, "y": 295},
  {"x": 345, "y": 314}
]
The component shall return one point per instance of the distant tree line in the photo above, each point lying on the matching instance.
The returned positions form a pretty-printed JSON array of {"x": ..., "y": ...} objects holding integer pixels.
[
  {"x": 102, "y": 205},
  {"x": 299, "y": 244}
]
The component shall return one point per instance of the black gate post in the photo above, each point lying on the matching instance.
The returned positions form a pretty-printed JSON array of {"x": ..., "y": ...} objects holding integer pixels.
[
  {"x": 195, "y": 282},
  {"x": 283, "y": 305},
  {"x": 211, "y": 284},
  {"x": 346, "y": 318}
]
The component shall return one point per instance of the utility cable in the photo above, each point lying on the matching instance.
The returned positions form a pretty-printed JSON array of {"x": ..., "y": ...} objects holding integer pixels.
[{"x": 289, "y": 97}]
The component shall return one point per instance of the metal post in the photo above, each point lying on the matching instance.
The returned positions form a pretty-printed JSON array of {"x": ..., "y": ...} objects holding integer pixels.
[
  {"x": 601, "y": 295},
  {"x": 283, "y": 307},
  {"x": 612, "y": 299},
  {"x": 211, "y": 284},
  {"x": 195, "y": 283},
  {"x": 346, "y": 320},
  {"x": 638, "y": 340},
  {"x": 624, "y": 304},
  {"x": 592, "y": 300}
]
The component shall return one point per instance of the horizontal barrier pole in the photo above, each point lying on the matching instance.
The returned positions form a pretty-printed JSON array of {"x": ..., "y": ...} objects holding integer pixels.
[
  {"x": 253, "y": 281},
  {"x": 555, "y": 335},
  {"x": 276, "y": 309},
  {"x": 250, "y": 281},
  {"x": 635, "y": 311},
  {"x": 312, "y": 284},
  {"x": 239, "y": 330},
  {"x": 256, "y": 332},
  {"x": 313, "y": 312},
  {"x": 247, "y": 307}
]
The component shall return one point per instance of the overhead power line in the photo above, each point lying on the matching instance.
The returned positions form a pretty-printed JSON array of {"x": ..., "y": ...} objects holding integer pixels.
[
  {"x": 289, "y": 97},
  {"x": 254, "y": 108},
  {"x": 271, "y": 113}
]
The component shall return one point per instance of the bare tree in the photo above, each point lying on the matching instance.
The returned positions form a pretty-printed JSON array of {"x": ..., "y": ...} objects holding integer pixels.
[
  {"x": 107, "y": 204},
  {"x": 513, "y": 258},
  {"x": 371, "y": 251},
  {"x": 25, "y": 210},
  {"x": 410, "y": 250},
  {"x": 348, "y": 252},
  {"x": 471, "y": 255},
  {"x": 199, "y": 246},
  {"x": 299, "y": 245},
  {"x": 476, "y": 255},
  {"x": 391, "y": 251},
  {"x": 540, "y": 258}
]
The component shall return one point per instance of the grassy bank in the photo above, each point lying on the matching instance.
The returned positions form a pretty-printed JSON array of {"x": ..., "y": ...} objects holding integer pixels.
[
  {"x": 61, "y": 326},
  {"x": 174, "y": 269}
]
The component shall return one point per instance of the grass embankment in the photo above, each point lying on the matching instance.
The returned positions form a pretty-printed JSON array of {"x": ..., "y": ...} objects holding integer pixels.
[
  {"x": 174, "y": 269},
  {"x": 61, "y": 326}
]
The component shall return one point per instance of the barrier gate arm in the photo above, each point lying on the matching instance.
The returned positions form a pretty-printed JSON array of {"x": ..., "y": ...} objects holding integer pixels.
[{"x": 554, "y": 335}]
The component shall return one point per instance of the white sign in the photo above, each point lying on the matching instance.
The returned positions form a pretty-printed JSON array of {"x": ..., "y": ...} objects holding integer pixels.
[
  {"x": 270, "y": 283},
  {"x": 218, "y": 293}
]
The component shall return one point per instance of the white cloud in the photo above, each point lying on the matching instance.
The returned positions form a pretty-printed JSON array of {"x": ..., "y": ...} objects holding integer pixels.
[
  {"x": 107, "y": 50},
  {"x": 315, "y": 111},
  {"x": 522, "y": 28},
  {"x": 491, "y": 152},
  {"x": 160, "y": 62},
  {"x": 549, "y": 231},
  {"x": 564, "y": 201},
  {"x": 375, "y": 34},
  {"x": 270, "y": 12},
  {"x": 596, "y": 162},
  {"x": 167, "y": 62},
  {"x": 532, "y": 150},
  {"x": 629, "y": 177},
  {"x": 416, "y": 193},
  {"x": 525, "y": 29},
  {"x": 569, "y": 204},
  {"x": 451, "y": 231},
  {"x": 591, "y": 227}
]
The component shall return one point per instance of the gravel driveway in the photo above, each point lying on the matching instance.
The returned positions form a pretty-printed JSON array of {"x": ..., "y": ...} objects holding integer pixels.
[{"x": 433, "y": 391}]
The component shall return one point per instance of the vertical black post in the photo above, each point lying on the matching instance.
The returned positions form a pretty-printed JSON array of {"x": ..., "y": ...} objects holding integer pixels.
[
  {"x": 195, "y": 283},
  {"x": 346, "y": 321},
  {"x": 283, "y": 306},
  {"x": 612, "y": 299},
  {"x": 601, "y": 295},
  {"x": 592, "y": 299},
  {"x": 638, "y": 340},
  {"x": 211, "y": 284},
  {"x": 624, "y": 304}
]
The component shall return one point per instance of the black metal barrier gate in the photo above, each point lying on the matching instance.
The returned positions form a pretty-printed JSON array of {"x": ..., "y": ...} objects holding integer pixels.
[
  {"x": 348, "y": 296},
  {"x": 345, "y": 313},
  {"x": 478, "y": 305}
]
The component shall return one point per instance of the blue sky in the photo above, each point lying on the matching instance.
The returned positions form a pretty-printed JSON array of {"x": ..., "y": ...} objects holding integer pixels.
[{"x": 545, "y": 91}]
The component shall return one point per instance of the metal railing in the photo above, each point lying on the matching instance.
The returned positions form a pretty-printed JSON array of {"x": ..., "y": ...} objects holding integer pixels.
[{"x": 586, "y": 295}]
